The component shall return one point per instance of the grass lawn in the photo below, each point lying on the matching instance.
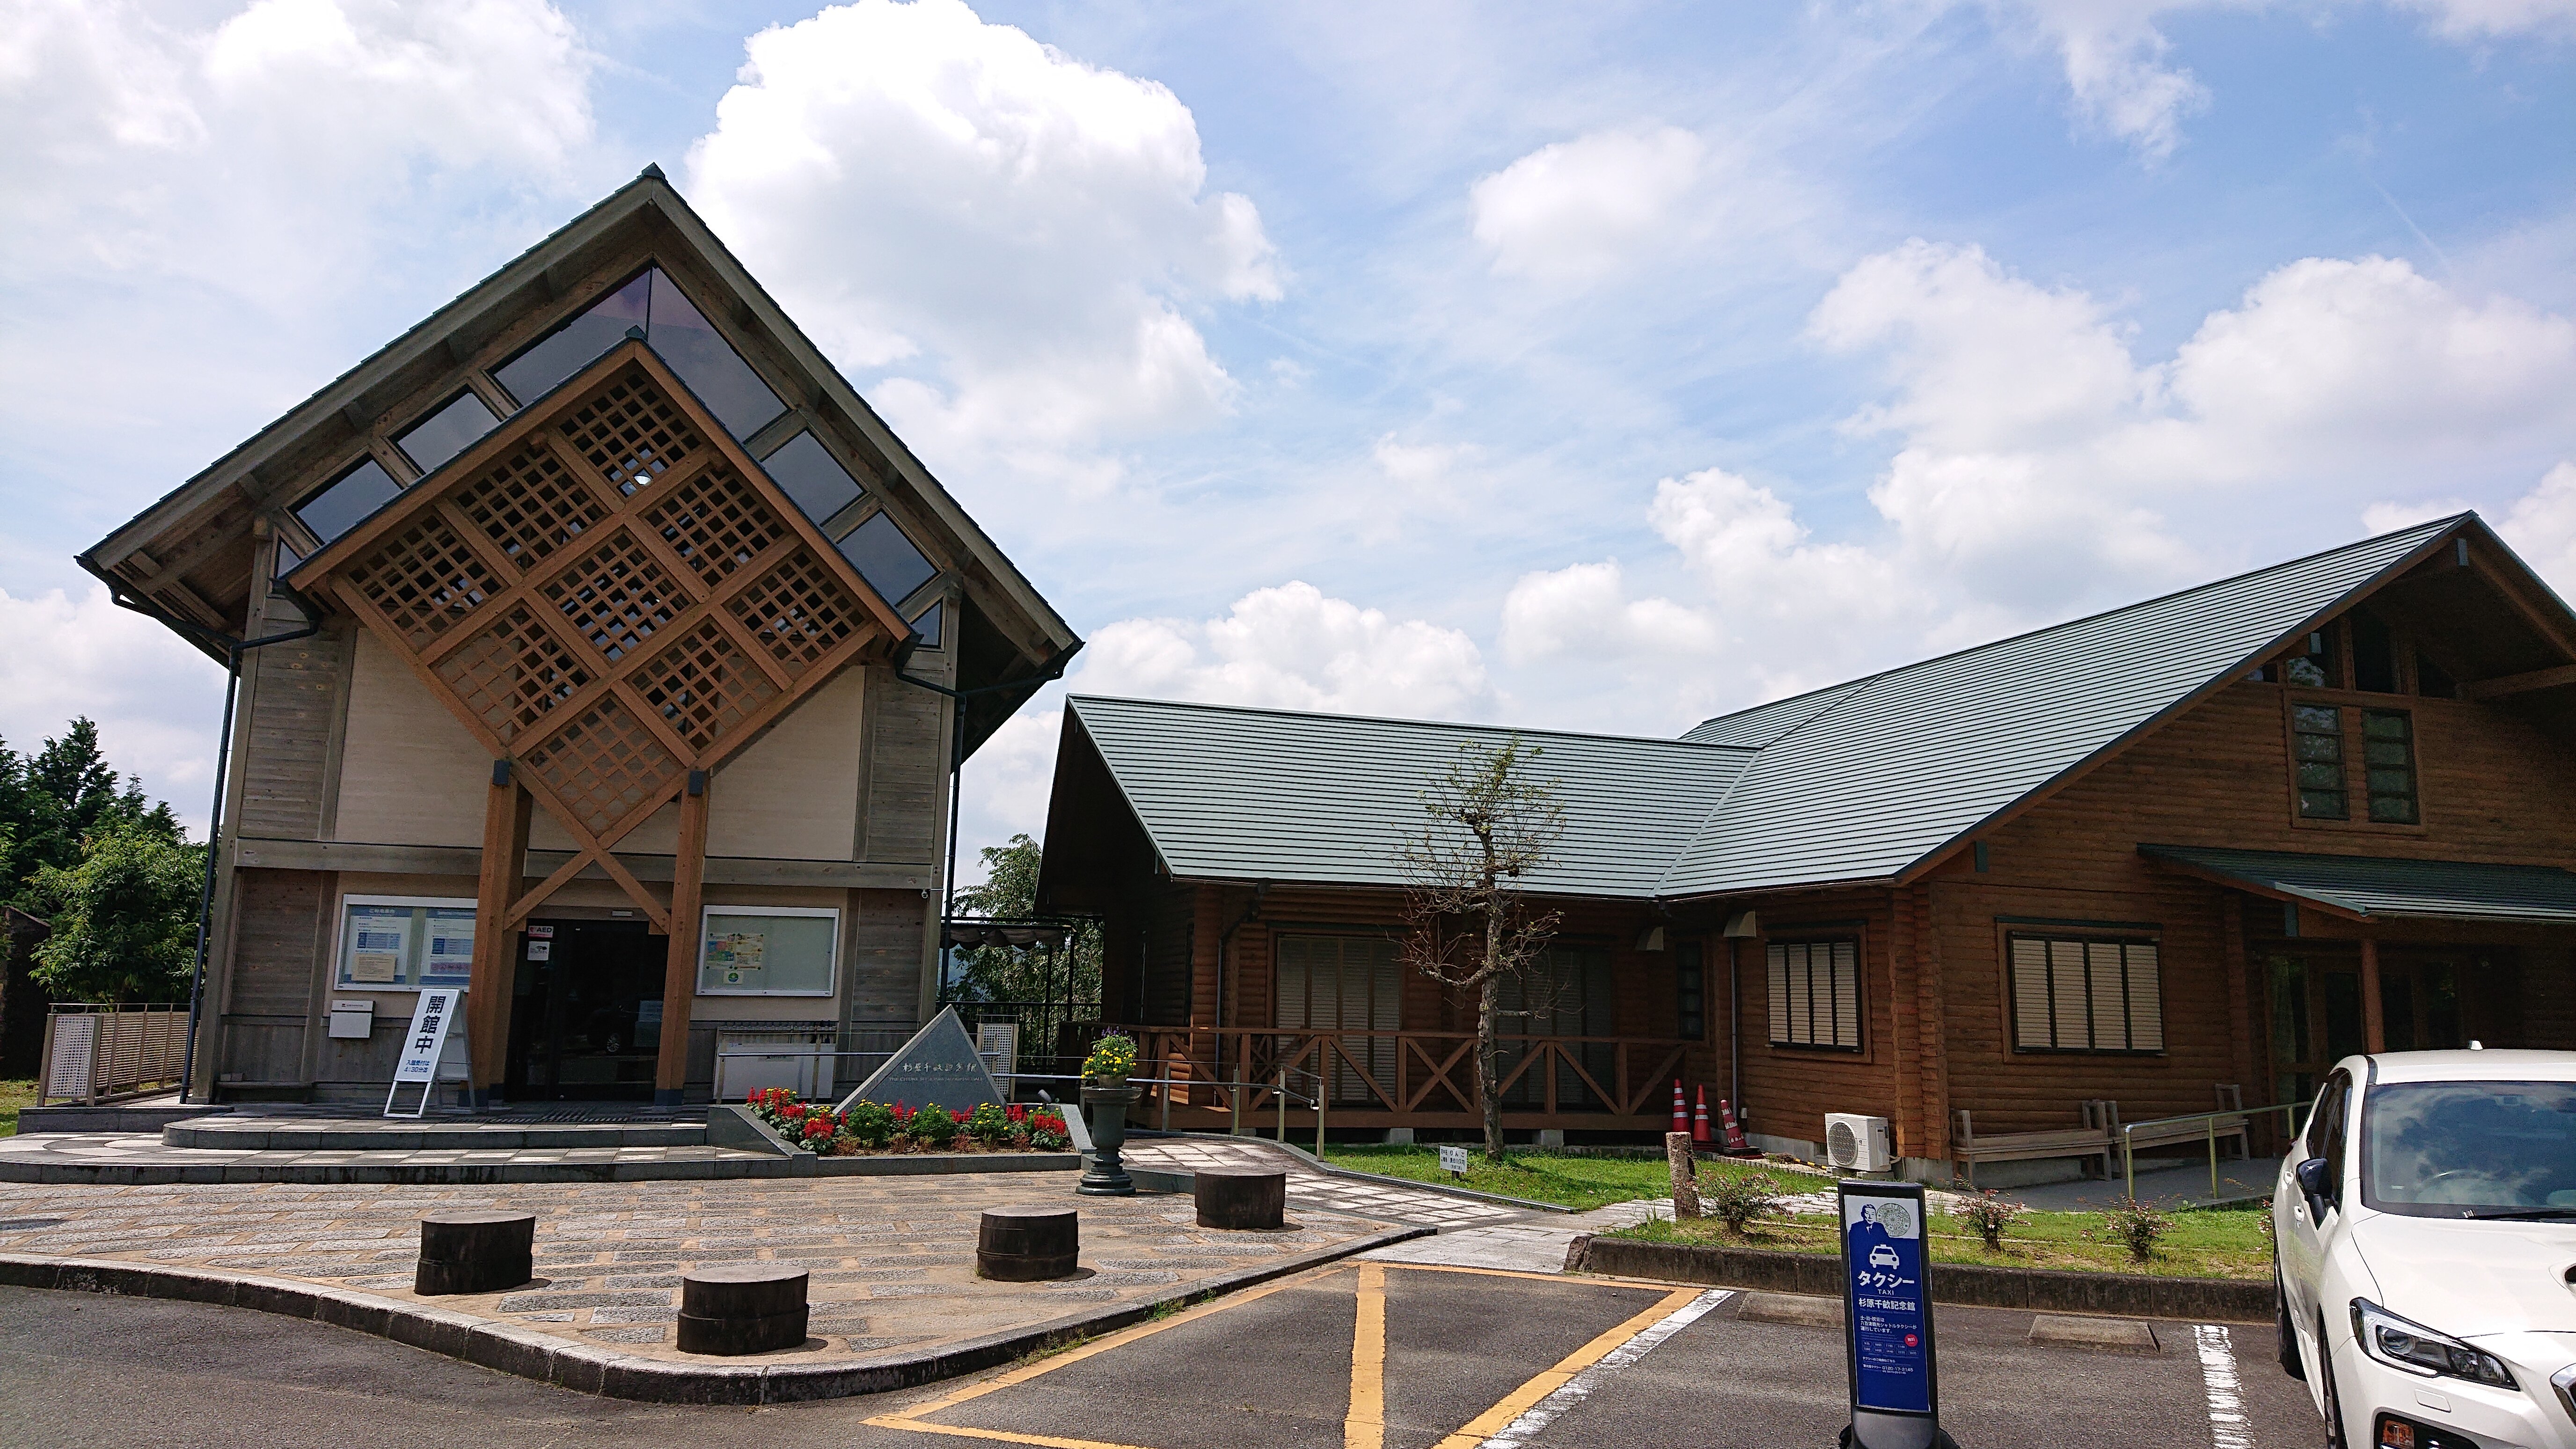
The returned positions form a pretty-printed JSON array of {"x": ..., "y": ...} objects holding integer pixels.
[
  {"x": 2204, "y": 1243},
  {"x": 14, "y": 1095},
  {"x": 1579, "y": 1182}
]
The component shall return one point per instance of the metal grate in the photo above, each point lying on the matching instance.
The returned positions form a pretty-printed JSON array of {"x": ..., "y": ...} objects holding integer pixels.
[
  {"x": 425, "y": 581},
  {"x": 511, "y": 674},
  {"x": 631, "y": 433},
  {"x": 615, "y": 595},
  {"x": 717, "y": 523},
  {"x": 797, "y": 611},
  {"x": 605, "y": 765},
  {"x": 531, "y": 504},
  {"x": 704, "y": 685}
]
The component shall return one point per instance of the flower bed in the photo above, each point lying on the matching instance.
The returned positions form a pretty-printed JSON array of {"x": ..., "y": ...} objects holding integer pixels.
[{"x": 875, "y": 1128}]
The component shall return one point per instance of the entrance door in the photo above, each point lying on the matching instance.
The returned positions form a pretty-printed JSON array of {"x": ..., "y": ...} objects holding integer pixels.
[
  {"x": 586, "y": 1011},
  {"x": 2317, "y": 1017}
]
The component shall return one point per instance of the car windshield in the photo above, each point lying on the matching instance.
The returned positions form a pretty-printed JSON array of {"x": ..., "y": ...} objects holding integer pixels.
[{"x": 2464, "y": 1149}]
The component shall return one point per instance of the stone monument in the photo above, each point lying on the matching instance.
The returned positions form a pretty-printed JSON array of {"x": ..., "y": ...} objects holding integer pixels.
[{"x": 938, "y": 1066}]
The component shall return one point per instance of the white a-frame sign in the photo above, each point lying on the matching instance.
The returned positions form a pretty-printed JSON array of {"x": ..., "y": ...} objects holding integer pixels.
[{"x": 434, "y": 1020}]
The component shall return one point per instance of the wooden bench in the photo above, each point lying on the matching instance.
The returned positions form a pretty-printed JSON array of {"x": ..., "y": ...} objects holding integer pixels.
[
  {"x": 2235, "y": 1127},
  {"x": 1967, "y": 1148}
]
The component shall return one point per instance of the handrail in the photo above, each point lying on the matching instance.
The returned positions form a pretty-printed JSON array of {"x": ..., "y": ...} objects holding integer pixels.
[{"x": 2128, "y": 1138}]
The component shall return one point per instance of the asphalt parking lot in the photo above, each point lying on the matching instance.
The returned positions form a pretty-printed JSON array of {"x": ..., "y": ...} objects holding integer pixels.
[{"x": 1357, "y": 1355}]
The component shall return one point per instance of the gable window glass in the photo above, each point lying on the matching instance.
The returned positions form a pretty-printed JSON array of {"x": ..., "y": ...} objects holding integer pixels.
[
  {"x": 929, "y": 625},
  {"x": 885, "y": 556},
  {"x": 447, "y": 432},
  {"x": 1815, "y": 993},
  {"x": 2316, "y": 737},
  {"x": 812, "y": 478},
  {"x": 677, "y": 332},
  {"x": 402, "y": 943},
  {"x": 2374, "y": 656},
  {"x": 337, "y": 506},
  {"x": 2388, "y": 755},
  {"x": 768, "y": 950},
  {"x": 2086, "y": 994}
]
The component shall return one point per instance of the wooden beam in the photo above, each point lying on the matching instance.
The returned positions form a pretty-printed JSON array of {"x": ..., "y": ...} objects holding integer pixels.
[
  {"x": 2374, "y": 1024},
  {"x": 2519, "y": 683},
  {"x": 680, "y": 967},
  {"x": 506, "y": 814}
]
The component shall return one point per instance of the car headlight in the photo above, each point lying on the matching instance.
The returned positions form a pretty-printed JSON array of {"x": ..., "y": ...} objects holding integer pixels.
[{"x": 2417, "y": 1349}]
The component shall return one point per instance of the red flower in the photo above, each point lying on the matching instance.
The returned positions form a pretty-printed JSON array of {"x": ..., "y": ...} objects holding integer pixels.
[{"x": 1015, "y": 1113}]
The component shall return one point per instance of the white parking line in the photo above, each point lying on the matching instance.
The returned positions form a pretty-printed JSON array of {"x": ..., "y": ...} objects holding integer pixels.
[
  {"x": 2228, "y": 1426},
  {"x": 1518, "y": 1433}
]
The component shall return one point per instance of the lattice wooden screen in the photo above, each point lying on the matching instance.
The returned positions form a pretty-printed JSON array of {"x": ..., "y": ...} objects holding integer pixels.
[{"x": 611, "y": 593}]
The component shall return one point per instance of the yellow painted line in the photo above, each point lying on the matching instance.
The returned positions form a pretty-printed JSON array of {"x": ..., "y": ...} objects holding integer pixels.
[
  {"x": 1494, "y": 1420},
  {"x": 1047, "y": 1441},
  {"x": 1365, "y": 1426},
  {"x": 1588, "y": 1281},
  {"x": 911, "y": 1419}
]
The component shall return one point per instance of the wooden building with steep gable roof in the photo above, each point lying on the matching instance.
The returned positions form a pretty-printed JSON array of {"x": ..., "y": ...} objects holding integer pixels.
[
  {"x": 595, "y": 614},
  {"x": 2180, "y": 854}
]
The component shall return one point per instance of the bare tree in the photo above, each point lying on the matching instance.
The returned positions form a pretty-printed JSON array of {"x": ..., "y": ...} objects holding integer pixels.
[{"x": 1492, "y": 823}]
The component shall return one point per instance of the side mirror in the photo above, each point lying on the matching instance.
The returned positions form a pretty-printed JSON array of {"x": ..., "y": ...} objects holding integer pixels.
[{"x": 2315, "y": 1182}]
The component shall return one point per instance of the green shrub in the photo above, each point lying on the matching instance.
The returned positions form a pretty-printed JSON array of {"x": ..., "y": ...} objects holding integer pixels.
[
  {"x": 1989, "y": 1215},
  {"x": 870, "y": 1124},
  {"x": 1736, "y": 1199},
  {"x": 988, "y": 1124},
  {"x": 2138, "y": 1225},
  {"x": 932, "y": 1127}
]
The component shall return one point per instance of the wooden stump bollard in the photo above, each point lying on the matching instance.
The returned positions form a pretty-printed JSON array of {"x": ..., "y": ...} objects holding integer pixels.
[
  {"x": 1027, "y": 1244},
  {"x": 739, "y": 1308},
  {"x": 475, "y": 1252},
  {"x": 1241, "y": 1199}
]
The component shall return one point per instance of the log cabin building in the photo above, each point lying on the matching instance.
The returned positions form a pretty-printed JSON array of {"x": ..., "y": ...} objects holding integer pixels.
[
  {"x": 2175, "y": 856},
  {"x": 596, "y": 612}
]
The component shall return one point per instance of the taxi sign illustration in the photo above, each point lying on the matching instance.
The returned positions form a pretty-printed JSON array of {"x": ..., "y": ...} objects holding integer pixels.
[{"x": 1882, "y": 1256}]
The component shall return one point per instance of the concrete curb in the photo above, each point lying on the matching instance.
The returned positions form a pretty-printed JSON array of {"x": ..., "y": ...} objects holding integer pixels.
[
  {"x": 2039, "y": 1290},
  {"x": 108, "y": 1174},
  {"x": 35, "y": 1121},
  {"x": 585, "y": 1369}
]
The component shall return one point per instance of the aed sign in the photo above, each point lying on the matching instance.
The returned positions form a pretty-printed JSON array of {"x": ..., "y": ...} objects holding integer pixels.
[{"x": 1888, "y": 1315}]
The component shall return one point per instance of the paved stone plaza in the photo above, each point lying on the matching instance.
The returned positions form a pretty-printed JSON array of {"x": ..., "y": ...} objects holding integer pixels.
[{"x": 892, "y": 1258}]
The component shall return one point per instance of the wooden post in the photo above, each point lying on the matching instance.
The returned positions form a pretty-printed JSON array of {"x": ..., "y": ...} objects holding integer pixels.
[
  {"x": 487, "y": 993},
  {"x": 2374, "y": 1025},
  {"x": 680, "y": 967}
]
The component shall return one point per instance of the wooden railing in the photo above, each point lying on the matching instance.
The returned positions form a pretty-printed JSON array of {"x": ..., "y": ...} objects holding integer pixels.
[{"x": 1385, "y": 1076}]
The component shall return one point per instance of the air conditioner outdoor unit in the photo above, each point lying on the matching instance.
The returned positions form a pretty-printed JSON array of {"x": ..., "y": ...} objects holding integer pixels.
[{"x": 1857, "y": 1143}]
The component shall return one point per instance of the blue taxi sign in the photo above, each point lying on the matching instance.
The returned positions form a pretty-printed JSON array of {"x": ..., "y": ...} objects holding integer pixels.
[{"x": 1887, "y": 1316}]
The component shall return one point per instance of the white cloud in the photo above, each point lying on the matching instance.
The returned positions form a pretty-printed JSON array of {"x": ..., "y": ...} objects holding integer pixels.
[
  {"x": 1577, "y": 209},
  {"x": 157, "y": 701},
  {"x": 2122, "y": 80},
  {"x": 1006, "y": 786},
  {"x": 1293, "y": 647},
  {"x": 2541, "y": 526},
  {"x": 1020, "y": 235},
  {"x": 1585, "y": 612}
]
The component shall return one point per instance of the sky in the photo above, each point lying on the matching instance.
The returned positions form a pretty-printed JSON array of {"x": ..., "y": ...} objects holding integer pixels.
[{"x": 1595, "y": 367}]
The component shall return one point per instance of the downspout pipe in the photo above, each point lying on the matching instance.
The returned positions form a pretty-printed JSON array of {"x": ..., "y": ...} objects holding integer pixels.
[{"x": 234, "y": 648}]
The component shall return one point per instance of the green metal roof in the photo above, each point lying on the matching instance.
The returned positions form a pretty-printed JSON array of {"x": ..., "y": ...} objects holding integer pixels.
[
  {"x": 1855, "y": 782},
  {"x": 2371, "y": 886},
  {"x": 1261, "y": 794},
  {"x": 1899, "y": 764}
]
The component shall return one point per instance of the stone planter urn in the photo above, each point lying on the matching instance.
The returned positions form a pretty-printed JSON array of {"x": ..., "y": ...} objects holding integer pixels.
[{"x": 1102, "y": 1174}]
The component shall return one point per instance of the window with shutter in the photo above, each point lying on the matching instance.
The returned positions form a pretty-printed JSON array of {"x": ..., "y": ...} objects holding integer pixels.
[
  {"x": 2085, "y": 994},
  {"x": 1815, "y": 993},
  {"x": 1344, "y": 983}
]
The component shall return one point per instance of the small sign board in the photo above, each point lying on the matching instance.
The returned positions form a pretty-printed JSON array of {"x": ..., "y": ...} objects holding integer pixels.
[
  {"x": 1895, "y": 1388},
  {"x": 433, "y": 1018},
  {"x": 1454, "y": 1160}
]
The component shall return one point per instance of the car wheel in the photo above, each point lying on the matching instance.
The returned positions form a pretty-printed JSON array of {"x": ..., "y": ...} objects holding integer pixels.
[
  {"x": 2290, "y": 1363},
  {"x": 2334, "y": 1402}
]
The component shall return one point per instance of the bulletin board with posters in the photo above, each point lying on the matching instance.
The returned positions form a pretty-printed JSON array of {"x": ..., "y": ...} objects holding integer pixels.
[
  {"x": 405, "y": 943},
  {"x": 768, "y": 950}
]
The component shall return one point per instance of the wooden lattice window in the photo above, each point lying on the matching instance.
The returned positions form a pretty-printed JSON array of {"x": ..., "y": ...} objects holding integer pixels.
[
  {"x": 512, "y": 673},
  {"x": 631, "y": 434},
  {"x": 704, "y": 685},
  {"x": 609, "y": 591}
]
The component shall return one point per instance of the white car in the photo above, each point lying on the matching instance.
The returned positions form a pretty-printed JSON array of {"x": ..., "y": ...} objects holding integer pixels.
[{"x": 2426, "y": 1251}]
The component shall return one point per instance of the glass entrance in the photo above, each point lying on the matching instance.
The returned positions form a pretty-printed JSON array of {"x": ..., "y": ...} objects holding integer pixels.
[
  {"x": 2317, "y": 1009},
  {"x": 586, "y": 1011}
]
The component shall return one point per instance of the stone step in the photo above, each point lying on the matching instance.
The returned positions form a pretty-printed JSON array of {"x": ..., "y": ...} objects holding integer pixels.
[{"x": 360, "y": 1134}]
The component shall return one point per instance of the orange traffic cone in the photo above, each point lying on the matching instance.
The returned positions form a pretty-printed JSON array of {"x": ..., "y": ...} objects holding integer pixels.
[
  {"x": 1735, "y": 1143},
  {"x": 1681, "y": 1114},
  {"x": 1699, "y": 1120}
]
